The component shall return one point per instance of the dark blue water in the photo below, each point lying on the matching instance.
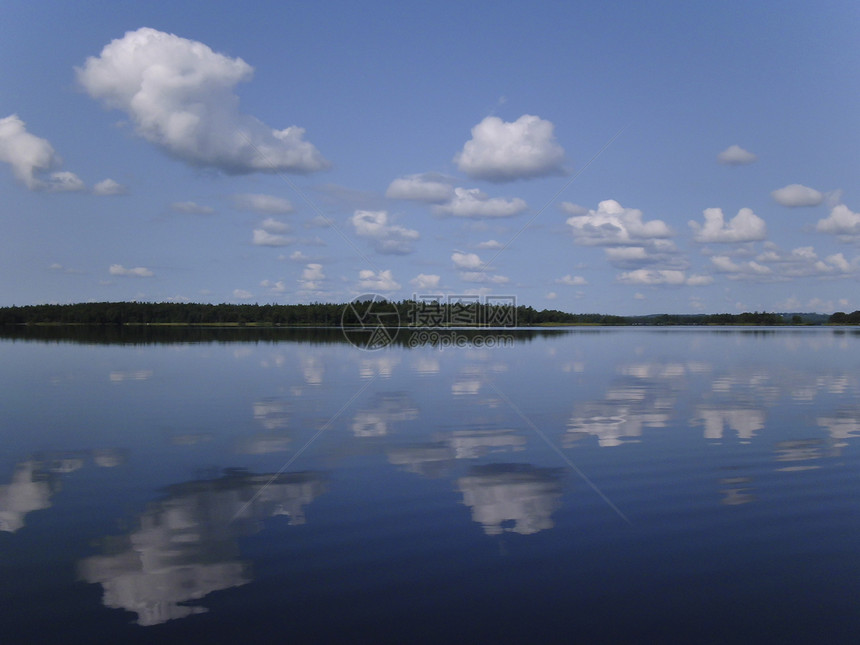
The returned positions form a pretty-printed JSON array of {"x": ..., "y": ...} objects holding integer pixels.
[{"x": 593, "y": 486}]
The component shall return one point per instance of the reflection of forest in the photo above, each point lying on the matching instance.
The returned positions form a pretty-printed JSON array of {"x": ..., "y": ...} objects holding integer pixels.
[{"x": 186, "y": 544}]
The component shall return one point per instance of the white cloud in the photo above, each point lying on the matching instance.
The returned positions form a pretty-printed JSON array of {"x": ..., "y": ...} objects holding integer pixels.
[
  {"x": 744, "y": 270},
  {"x": 736, "y": 156},
  {"x": 262, "y": 237},
  {"x": 472, "y": 202},
  {"x": 241, "y": 294},
  {"x": 427, "y": 188},
  {"x": 180, "y": 96},
  {"x": 298, "y": 256},
  {"x": 746, "y": 226},
  {"x": 64, "y": 181},
  {"x": 797, "y": 195},
  {"x": 31, "y": 156},
  {"x": 373, "y": 281},
  {"x": 109, "y": 187},
  {"x": 482, "y": 277},
  {"x": 572, "y": 281},
  {"x": 466, "y": 260},
  {"x": 273, "y": 225},
  {"x": 277, "y": 287},
  {"x": 137, "y": 272},
  {"x": 653, "y": 276},
  {"x": 552, "y": 295},
  {"x": 500, "y": 151},
  {"x": 312, "y": 277},
  {"x": 842, "y": 222},
  {"x": 386, "y": 238},
  {"x": 262, "y": 204},
  {"x": 25, "y": 152},
  {"x": 489, "y": 244},
  {"x": 613, "y": 225},
  {"x": 192, "y": 208},
  {"x": 425, "y": 281}
]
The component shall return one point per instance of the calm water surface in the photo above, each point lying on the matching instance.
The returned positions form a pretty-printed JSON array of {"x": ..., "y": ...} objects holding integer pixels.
[{"x": 596, "y": 485}]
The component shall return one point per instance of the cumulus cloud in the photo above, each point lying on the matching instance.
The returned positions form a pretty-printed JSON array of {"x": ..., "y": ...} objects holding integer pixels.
[
  {"x": 277, "y": 287},
  {"x": 241, "y": 294},
  {"x": 466, "y": 261},
  {"x": 472, "y": 202},
  {"x": 746, "y": 226},
  {"x": 572, "y": 280},
  {"x": 797, "y": 195},
  {"x": 136, "y": 272},
  {"x": 264, "y": 237},
  {"x": 490, "y": 244},
  {"x": 613, "y": 225},
  {"x": 736, "y": 156},
  {"x": 312, "y": 277},
  {"x": 386, "y": 238},
  {"x": 31, "y": 157},
  {"x": 192, "y": 208},
  {"x": 109, "y": 187},
  {"x": 842, "y": 222},
  {"x": 663, "y": 277},
  {"x": 573, "y": 209},
  {"x": 377, "y": 281},
  {"x": 429, "y": 188},
  {"x": 180, "y": 97},
  {"x": 262, "y": 204},
  {"x": 425, "y": 281},
  {"x": 499, "y": 151}
]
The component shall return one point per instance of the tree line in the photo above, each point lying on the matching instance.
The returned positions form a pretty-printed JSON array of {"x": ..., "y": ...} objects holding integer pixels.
[{"x": 405, "y": 313}]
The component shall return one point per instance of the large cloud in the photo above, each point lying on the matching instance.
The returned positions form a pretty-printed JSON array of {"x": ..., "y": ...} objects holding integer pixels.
[
  {"x": 500, "y": 151},
  {"x": 613, "y": 225},
  {"x": 736, "y": 156},
  {"x": 179, "y": 94},
  {"x": 472, "y": 202},
  {"x": 31, "y": 157},
  {"x": 746, "y": 226},
  {"x": 797, "y": 195},
  {"x": 386, "y": 238}
]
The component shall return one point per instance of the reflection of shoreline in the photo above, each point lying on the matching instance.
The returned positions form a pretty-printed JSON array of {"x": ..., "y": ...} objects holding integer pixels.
[{"x": 186, "y": 544}]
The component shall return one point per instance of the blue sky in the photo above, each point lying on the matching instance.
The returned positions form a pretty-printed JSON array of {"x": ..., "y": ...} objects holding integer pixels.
[{"x": 614, "y": 157}]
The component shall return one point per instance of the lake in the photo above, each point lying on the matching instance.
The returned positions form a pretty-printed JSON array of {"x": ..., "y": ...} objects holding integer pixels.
[{"x": 592, "y": 485}]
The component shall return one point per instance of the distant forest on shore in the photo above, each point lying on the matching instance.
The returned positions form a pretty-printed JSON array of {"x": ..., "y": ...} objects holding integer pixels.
[{"x": 410, "y": 313}]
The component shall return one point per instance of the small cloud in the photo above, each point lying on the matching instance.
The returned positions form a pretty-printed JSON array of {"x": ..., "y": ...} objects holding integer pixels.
[
  {"x": 386, "y": 238},
  {"x": 259, "y": 203},
  {"x": 473, "y": 203},
  {"x": 262, "y": 237},
  {"x": 466, "y": 260},
  {"x": 29, "y": 155},
  {"x": 377, "y": 281},
  {"x": 191, "y": 208},
  {"x": 490, "y": 244},
  {"x": 746, "y": 226},
  {"x": 736, "y": 156},
  {"x": 614, "y": 225},
  {"x": 312, "y": 277},
  {"x": 499, "y": 151},
  {"x": 795, "y": 195},
  {"x": 241, "y": 294},
  {"x": 137, "y": 272},
  {"x": 277, "y": 287},
  {"x": 298, "y": 256},
  {"x": 572, "y": 281},
  {"x": 552, "y": 295},
  {"x": 428, "y": 188},
  {"x": 424, "y": 281},
  {"x": 64, "y": 182},
  {"x": 109, "y": 187},
  {"x": 273, "y": 225}
]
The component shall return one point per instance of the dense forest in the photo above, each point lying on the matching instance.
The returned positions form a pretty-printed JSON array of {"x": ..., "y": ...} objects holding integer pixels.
[{"x": 406, "y": 313}]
